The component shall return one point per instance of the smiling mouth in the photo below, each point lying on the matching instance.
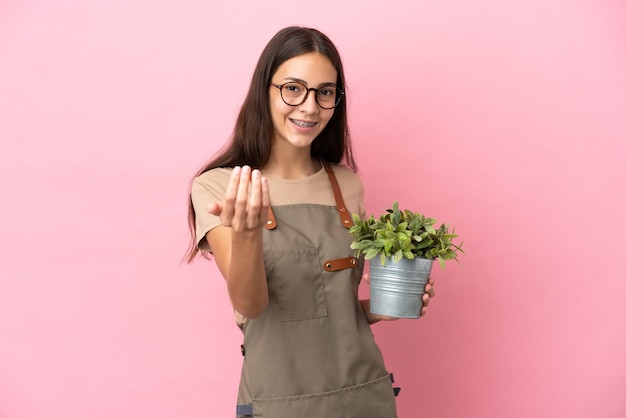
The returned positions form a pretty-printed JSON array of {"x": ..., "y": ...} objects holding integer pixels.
[{"x": 303, "y": 124}]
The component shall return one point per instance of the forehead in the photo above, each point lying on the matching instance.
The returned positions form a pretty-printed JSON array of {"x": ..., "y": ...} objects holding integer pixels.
[{"x": 313, "y": 67}]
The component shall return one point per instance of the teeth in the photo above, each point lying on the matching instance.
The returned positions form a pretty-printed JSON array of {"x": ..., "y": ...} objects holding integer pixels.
[{"x": 303, "y": 124}]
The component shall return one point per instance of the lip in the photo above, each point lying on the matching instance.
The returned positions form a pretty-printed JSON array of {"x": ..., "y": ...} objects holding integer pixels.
[{"x": 303, "y": 128}]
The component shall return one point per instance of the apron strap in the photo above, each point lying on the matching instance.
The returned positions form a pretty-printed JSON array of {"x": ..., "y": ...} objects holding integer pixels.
[
  {"x": 346, "y": 220},
  {"x": 271, "y": 219}
]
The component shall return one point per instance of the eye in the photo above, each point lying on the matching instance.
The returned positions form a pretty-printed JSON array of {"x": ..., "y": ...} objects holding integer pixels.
[
  {"x": 328, "y": 91},
  {"x": 292, "y": 88}
]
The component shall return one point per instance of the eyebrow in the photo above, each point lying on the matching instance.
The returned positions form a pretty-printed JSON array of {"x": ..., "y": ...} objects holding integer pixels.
[{"x": 299, "y": 80}]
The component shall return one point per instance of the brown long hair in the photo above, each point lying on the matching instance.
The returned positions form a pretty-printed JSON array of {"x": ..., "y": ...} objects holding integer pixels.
[{"x": 251, "y": 141}]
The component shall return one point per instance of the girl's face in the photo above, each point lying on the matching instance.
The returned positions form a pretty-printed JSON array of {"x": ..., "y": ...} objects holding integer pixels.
[{"x": 297, "y": 126}]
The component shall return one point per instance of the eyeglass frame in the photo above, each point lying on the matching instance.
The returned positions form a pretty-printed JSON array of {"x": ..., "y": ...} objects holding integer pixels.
[{"x": 340, "y": 94}]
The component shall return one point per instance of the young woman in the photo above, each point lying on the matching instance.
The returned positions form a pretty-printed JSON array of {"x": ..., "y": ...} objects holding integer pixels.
[{"x": 273, "y": 210}]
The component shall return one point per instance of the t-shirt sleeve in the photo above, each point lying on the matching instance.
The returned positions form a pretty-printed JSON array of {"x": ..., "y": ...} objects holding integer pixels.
[
  {"x": 207, "y": 188},
  {"x": 359, "y": 196},
  {"x": 362, "y": 210}
]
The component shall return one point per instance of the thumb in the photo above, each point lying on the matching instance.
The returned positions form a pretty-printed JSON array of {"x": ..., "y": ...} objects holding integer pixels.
[
  {"x": 366, "y": 277},
  {"x": 215, "y": 208}
]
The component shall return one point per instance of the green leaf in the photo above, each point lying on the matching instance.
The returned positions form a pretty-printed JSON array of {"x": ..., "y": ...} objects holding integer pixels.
[
  {"x": 449, "y": 236},
  {"x": 371, "y": 253},
  {"x": 361, "y": 245},
  {"x": 391, "y": 235},
  {"x": 416, "y": 225},
  {"x": 379, "y": 243},
  {"x": 450, "y": 254},
  {"x": 424, "y": 244},
  {"x": 442, "y": 263}
]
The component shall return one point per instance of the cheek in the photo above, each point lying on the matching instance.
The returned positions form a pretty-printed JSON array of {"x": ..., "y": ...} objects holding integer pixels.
[
  {"x": 280, "y": 110},
  {"x": 277, "y": 114},
  {"x": 328, "y": 117},
  {"x": 276, "y": 104}
]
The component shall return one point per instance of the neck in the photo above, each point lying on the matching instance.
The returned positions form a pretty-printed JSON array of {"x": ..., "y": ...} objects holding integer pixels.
[{"x": 293, "y": 166}]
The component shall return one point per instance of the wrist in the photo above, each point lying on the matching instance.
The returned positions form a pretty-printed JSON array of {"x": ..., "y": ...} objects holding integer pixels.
[
  {"x": 248, "y": 237},
  {"x": 371, "y": 318}
]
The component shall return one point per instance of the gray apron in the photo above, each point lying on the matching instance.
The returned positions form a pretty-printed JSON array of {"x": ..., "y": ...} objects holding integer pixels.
[{"x": 311, "y": 353}]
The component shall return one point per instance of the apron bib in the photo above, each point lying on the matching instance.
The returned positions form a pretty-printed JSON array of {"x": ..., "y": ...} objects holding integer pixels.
[{"x": 311, "y": 353}]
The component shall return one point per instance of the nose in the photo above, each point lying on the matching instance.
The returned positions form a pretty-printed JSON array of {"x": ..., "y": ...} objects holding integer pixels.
[{"x": 310, "y": 102}]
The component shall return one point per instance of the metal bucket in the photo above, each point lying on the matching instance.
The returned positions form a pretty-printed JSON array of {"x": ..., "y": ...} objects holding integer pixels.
[{"x": 396, "y": 288}]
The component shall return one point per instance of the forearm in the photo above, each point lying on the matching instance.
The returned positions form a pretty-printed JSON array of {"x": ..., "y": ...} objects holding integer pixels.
[{"x": 246, "y": 280}]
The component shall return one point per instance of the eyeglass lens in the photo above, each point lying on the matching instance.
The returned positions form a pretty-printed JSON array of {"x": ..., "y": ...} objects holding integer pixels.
[{"x": 294, "y": 94}]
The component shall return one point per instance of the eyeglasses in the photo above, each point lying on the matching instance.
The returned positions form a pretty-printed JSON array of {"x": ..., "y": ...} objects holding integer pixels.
[{"x": 294, "y": 94}]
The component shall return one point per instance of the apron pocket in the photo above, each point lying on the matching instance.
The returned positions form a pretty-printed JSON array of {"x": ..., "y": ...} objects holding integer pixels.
[{"x": 295, "y": 283}]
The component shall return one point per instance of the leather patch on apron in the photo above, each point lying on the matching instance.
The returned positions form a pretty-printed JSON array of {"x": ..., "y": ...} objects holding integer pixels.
[{"x": 340, "y": 264}]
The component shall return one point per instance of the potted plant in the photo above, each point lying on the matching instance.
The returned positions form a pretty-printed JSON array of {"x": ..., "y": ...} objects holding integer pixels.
[{"x": 401, "y": 246}]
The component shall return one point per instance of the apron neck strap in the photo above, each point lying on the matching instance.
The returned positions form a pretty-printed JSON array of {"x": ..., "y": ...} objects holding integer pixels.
[{"x": 346, "y": 219}]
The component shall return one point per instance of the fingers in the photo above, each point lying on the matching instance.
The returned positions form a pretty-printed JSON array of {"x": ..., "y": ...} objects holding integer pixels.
[
  {"x": 246, "y": 201},
  {"x": 259, "y": 200},
  {"x": 240, "y": 216},
  {"x": 265, "y": 199},
  {"x": 426, "y": 301},
  {"x": 429, "y": 290},
  {"x": 230, "y": 198},
  {"x": 430, "y": 287}
]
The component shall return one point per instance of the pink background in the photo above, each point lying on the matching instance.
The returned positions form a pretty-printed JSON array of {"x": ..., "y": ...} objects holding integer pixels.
[{"x": 506, "y": 119}]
